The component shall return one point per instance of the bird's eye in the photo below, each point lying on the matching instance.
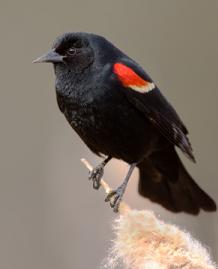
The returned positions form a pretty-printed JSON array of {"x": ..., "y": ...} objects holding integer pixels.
[{"x": 71, "y": 51}]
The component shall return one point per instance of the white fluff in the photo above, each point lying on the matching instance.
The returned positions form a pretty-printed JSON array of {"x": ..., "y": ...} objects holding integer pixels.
[{"x": 145, "y": 242}]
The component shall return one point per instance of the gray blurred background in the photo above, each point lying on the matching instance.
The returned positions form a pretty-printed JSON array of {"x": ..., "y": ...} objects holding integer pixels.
[{"x": 51, "y": 218}]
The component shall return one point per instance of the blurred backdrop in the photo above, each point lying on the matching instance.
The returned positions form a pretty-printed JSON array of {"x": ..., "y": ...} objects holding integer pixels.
[{"x": 51, "y": 218}]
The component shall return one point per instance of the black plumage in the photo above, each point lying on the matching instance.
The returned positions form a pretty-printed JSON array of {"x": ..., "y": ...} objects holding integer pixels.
[{"x": 119, "y": 112}]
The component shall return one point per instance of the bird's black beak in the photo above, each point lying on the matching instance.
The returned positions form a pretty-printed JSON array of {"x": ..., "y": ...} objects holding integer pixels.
[{"x": 50, "y": 57}]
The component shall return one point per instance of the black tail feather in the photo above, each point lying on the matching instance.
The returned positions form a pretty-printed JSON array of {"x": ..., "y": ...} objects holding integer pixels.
[{"x": 164, "y": 180}]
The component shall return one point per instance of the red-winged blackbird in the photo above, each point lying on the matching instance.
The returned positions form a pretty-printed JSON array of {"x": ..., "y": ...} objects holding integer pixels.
[{"x": 118, "y": 111}]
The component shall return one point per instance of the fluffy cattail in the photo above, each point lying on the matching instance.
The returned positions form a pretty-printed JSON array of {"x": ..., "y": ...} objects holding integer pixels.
[
  {"x": 142, "y": 241},
  {"x": 145, "y": 242}
]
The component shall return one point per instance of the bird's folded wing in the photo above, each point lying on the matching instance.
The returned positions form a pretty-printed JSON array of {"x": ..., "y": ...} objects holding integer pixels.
[{"x": 147, "y": 98}]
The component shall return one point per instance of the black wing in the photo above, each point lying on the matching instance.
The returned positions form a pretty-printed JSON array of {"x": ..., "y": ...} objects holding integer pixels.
[{"x": 154, "y": 106}]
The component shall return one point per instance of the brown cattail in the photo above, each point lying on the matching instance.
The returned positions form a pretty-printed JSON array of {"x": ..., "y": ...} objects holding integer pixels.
[{"x": 144, "y": 242}]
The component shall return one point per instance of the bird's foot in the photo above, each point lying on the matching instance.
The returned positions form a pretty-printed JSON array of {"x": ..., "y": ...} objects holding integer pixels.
[
  {"x": 96, "y": 175},
  {"x": 115, "y": 197}
]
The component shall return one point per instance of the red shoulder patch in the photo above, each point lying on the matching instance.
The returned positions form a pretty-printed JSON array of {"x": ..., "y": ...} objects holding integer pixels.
[{"x": 128, "y": 77}]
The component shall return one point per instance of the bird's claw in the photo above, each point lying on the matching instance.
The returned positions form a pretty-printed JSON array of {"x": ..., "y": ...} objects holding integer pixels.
[
  {"x": 96, "y": 175},
  {"x": 115, "y": 197}
]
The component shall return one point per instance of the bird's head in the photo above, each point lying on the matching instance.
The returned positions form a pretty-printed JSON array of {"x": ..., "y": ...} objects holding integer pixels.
[
  {"x": 71, "y": 51},
  {"x": 77, "y": 51}
]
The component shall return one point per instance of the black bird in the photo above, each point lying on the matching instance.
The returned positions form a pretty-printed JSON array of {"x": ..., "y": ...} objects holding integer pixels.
[{"x": 118, "y": 111}]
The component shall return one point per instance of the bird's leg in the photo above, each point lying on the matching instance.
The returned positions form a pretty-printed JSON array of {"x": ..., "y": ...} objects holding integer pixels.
[
  {"x": 97, "y": 173},
  {"x": 115, "y": 196}
]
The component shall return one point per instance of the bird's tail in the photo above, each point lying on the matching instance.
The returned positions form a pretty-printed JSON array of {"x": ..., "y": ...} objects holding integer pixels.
[{"x": 164, "y": 180}]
